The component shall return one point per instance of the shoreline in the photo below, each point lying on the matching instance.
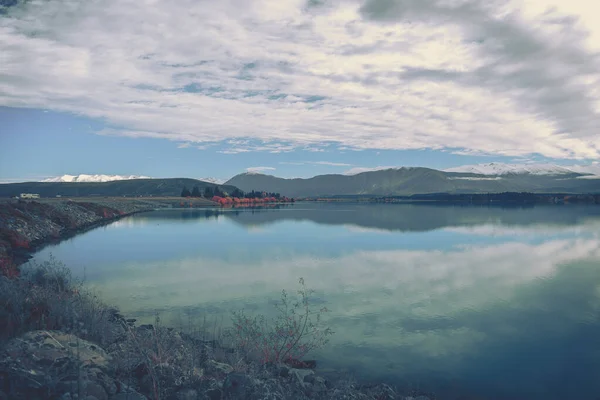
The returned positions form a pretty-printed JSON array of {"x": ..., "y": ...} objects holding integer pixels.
[
  {"x": 21, "y": 256},
  {"x": 27, "y": 227}
]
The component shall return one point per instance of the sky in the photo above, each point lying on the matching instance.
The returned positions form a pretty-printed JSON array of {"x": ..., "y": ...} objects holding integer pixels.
[{"x": 295, "y": 88}]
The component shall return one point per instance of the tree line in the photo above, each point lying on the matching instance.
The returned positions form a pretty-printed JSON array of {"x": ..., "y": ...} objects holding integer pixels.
[{"x": 210, "y": 192}]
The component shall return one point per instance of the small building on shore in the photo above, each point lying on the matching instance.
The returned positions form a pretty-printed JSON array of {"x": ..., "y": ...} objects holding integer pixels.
[{"x": 29, "y": 196}]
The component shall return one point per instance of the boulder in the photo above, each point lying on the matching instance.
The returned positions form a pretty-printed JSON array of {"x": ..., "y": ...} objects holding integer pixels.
[
  {"x": 303, "y": 376},
  {"x": 42, "y": 364},
  {"x": 214, "y": 366}
]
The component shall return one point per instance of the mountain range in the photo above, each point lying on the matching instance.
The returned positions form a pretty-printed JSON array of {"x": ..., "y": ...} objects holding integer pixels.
[
  {"x": 406, "y": 181},
  {"x": 403, "y": 181}
]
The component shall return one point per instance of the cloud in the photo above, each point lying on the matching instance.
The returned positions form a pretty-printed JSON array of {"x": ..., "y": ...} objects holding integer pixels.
[
  {"x": 291, "y": 163},
  {"x": 331, "y": 164},
  {"x": 327, "y": 163},
  {"x": 503, "y": 77},
  {"x": 259, "y": 169},
  {"x": 184, "y": 145}
]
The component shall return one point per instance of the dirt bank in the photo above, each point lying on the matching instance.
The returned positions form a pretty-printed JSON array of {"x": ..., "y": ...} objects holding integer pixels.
[{"x": 27, "y": 226}]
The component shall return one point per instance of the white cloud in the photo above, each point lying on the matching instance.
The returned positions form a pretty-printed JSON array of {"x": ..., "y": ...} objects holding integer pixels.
[
  {"x": 331, "y": 164},
  {"x": 291, "y": 163},
  {"x": 259, "y": 169},
  {"x": 327, "y": 163},
  {"x": 477, "y": 77}
]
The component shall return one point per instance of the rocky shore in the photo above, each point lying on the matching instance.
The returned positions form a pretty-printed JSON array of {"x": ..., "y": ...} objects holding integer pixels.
[
  {"x": 27, "y": 226},
  {"x": 60, "y": 342}
]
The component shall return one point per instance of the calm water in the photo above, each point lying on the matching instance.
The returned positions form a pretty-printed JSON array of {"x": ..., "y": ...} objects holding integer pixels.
[{"x": 494, "y": 303}]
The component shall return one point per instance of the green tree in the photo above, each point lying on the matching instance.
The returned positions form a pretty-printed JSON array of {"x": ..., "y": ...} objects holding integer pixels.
[
  {"x": 185, "y": 192},
  {"x": 237, "y": 193},
  {"x": 196, "y": 192},
  {"x": 208, "y": 192}
]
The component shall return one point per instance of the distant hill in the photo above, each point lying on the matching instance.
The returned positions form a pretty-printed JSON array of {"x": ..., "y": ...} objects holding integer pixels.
[
  {"x": 133, "y": 187},
  {"x": 410, "y": 181}
]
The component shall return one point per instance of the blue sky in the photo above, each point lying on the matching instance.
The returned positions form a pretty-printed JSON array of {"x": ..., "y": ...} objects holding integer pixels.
[
  {"x": 42, "y": 144},
  {"x": 295, "y": 88}
]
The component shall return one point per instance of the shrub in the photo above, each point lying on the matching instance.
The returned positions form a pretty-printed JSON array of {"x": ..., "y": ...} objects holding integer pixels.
[
  {"x": 8, "y": 268},
  {"x": 294, "y": 332},
  {"x": 46, "y": 296},
  {"x": 161, "y": 359}
]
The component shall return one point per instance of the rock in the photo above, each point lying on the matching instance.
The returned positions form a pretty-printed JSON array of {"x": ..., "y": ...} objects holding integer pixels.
[
  {"x": 96, "y": 390},
  {"x": 301, "y": 375},
  {"x": 319, "y": 385},
  {"x": 214, "y": 394},
  {"x": 219, "y": 367},
  {"x": 32, "y": 364},
  {"x": 131, "y": 395},
  {"x": 187, "y": 394},
  {"x": 236, "y": 385},
  {"x": 284, "y": 371},
  {"x": 70, "y": 386}
]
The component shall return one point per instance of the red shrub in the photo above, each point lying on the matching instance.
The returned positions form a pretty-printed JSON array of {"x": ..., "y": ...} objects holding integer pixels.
[
  {"x": 17, "y": 240},
  {"x": 8, "y": 269}
]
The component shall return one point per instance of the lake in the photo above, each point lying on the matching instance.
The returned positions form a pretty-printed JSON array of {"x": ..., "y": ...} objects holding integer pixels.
[{"x": 487, "y": 302}]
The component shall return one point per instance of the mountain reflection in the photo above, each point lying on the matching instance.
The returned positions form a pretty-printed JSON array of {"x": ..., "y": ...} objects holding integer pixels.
[{"x": 392, "y": 217}]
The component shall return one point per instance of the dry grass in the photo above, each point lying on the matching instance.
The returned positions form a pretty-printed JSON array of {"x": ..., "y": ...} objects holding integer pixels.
[{"x": 45, "y": 296}]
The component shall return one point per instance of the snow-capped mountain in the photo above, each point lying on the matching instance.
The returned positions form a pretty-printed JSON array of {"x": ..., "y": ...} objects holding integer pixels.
[
  {"x": 212, "y": 180},
  {"x": 93, "y": 178},
  {"x": 531, "y": 169}
]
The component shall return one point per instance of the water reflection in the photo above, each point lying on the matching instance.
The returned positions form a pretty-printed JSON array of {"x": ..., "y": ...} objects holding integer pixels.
[
  {"x": 394, "y": 217},
  {"x": 498, "y": 303}
]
